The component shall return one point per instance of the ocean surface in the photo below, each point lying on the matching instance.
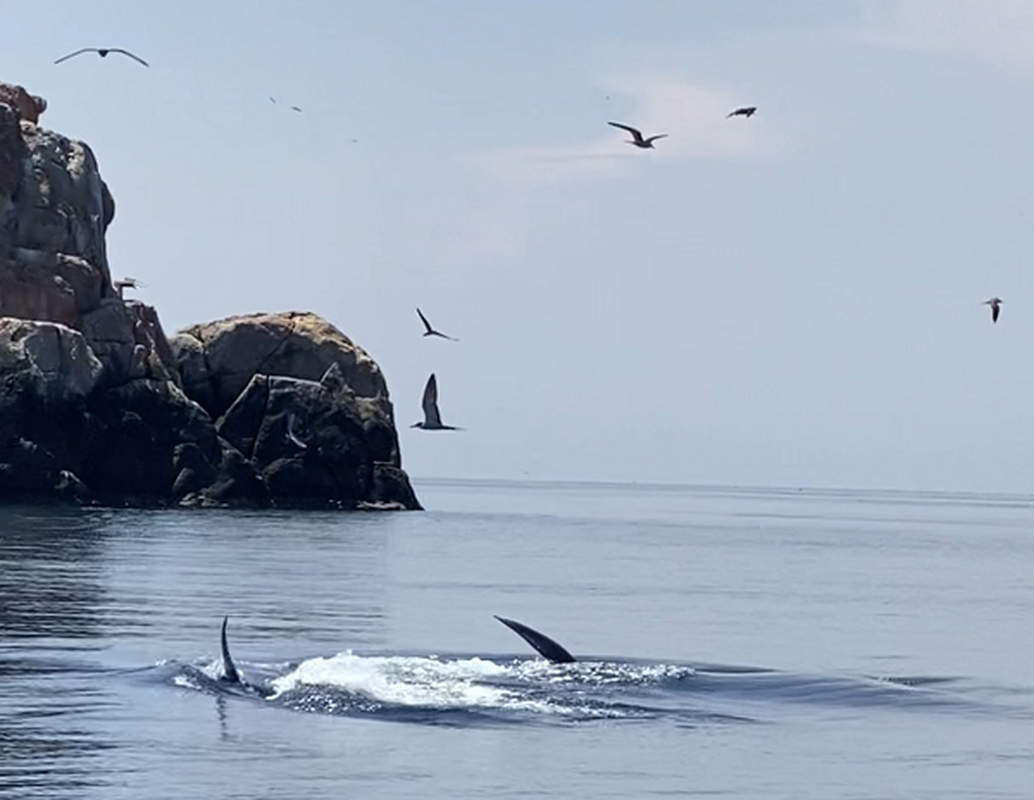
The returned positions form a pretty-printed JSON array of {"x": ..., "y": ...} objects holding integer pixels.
[{"x": 732, "y": 642}]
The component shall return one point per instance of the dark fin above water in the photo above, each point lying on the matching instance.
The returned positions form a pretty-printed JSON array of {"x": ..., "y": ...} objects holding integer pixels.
[
  {"x": 230, "y": 672},
  {"x": 544, "y": 646}
]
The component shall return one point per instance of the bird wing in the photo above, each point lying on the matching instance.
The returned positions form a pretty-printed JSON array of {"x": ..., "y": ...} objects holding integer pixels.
[
  {"x": 131, "y": 55},
  {"x": 655, "y": 138},
  {"x": 995, "y": 308},
  {"x": 426, "y": 323},
  {"x": 637, "y": 135},
  {"x": 80, "y": 51},
  {"x": 432, "y": 419}
]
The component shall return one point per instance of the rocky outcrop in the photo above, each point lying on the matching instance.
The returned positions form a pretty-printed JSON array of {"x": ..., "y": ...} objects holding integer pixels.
[
  {"x": 27, "y": 106},
  {"x": 97, "y": 405},
  {"x": 306, "y": 406}
]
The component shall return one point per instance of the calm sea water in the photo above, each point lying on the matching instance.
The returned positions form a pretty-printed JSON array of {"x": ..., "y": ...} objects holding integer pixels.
[{"x": 732, "y": 642}]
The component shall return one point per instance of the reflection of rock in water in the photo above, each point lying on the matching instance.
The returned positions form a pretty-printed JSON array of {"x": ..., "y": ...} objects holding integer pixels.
[
  {"x": 51, "y": 574},
  {"x": 51, "y": 587}
]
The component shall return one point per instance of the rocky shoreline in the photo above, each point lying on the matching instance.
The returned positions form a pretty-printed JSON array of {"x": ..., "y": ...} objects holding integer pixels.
[{"x": 98, "y": 406}]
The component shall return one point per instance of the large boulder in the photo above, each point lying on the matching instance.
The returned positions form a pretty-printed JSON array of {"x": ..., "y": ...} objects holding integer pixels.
[
  {"x": 218, "y": 359},
  {"x": 306, "y": 406},
  {"x": 65, "y": 434},
  {"x": 96, "y": 404}
]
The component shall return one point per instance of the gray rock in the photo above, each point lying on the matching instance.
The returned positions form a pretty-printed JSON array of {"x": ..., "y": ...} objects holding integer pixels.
[
  {"x": 47, "y": 360},
  {"x": 97, "y": 405}
]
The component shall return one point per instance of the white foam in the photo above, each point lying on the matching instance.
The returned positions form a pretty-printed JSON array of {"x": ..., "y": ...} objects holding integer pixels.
[{"x": 404, "y": 680}]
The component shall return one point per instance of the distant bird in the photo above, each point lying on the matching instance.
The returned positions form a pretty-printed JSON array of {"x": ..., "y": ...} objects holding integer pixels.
[
  {"x": 432, "y": 419},
  {"x": 103, "y": 53},
  {"x": 294, "y": 437},
  {"x": 126, "y": 283},
  {"x": 637, "y": 136},
  {"x": 293, "y": 108},
  {"x": 996, "y": 307},
  {"x": 429, "y": 331},
  {"x": 745, "y": 111}
]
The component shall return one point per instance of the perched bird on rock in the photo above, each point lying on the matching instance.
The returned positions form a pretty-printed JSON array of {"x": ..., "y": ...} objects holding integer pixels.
[
  {"x": 126, "y": 283},
  {"x": 637, "y": 136},
  {"x": 103, "y": 53}
]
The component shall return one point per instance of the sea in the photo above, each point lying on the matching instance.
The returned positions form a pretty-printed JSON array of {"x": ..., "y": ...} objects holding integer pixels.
[{"x": 730, "y": 641}]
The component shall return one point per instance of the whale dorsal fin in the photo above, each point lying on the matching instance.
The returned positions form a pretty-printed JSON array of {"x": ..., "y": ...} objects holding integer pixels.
[
  {"x": 544, "y": 646},
  {"x": 230, "y": 672}
]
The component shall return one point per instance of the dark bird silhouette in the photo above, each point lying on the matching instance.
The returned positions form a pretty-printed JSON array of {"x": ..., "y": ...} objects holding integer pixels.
[
  {"x": 103, "y": 53},
  {"x": 637, "y": 136},
  {"x": 745, "y": 111},
  {"x": 996, "y": 307},
  {"x": 432, "y": 417},
  {"x": 428, "y": 330},
  {"x": 295, "y": 108}
]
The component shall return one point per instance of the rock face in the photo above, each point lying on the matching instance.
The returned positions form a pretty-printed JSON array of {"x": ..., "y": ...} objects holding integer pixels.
[
  {"x": 97, "y": 405},
  {"x": 301, "y": 402}
]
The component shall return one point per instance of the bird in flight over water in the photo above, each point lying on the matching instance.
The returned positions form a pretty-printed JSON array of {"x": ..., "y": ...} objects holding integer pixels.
[
  {"x": 637, "y": 136},
  {"x": 745, "y": 111},
  {"x": 103, "y": 53},
  {"x": 432, "y": 418},
  {"x": 429, "y": 331},
  {"x": 996, "y": 307}
]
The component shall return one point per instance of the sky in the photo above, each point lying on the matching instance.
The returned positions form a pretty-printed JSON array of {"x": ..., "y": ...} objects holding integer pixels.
[{"x": 788, "y": 300}]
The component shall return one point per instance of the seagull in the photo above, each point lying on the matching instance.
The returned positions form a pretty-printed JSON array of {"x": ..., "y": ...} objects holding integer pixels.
[
  {"x": 126, "y": 283},
  {"x": 637, "y": 136},
  {"x": 996, "y": 307},
  {"x": 103, "y": 53},
  {"x": 432, "y": 419},
  {"x": 295, "y": 439},
  {"x": 746, "y": 111},
  {"x": 431, "y": 331}
]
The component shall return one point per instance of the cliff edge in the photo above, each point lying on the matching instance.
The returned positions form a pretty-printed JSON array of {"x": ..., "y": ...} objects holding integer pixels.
[{"x": 97, "y": 405}]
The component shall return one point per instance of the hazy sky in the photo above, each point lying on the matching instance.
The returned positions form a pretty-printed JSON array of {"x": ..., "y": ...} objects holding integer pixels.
[{"x": 789, "y": 300}]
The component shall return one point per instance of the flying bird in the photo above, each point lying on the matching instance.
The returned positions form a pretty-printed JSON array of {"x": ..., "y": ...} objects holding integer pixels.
[
  {"x": 745, "y": 111},
  {"x": 637, "y": 136},
  {"x": 996, "y": 307},
  {"x": 103, "y": 53},
  {"x": 429, "y": 331},
  {"x": 295, "y": 108},
  {"x": 432, "y": 417}
]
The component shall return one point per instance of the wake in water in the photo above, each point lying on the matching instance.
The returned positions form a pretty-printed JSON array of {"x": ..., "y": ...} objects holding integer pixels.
[{"x": 469, "y": 690}]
